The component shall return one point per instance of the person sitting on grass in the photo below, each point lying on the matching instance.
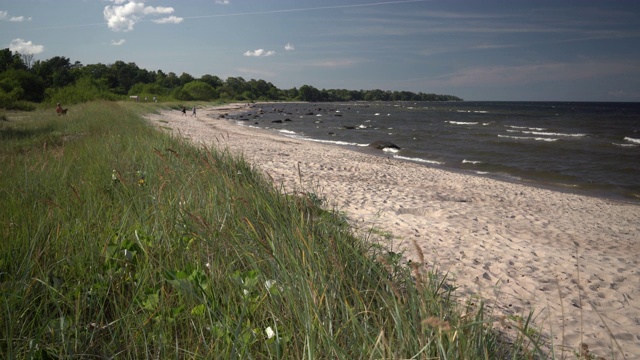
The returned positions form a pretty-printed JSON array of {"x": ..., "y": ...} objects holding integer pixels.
[{"x": 60, "y": 110}]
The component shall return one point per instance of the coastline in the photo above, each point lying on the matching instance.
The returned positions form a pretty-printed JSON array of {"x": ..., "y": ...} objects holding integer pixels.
[{"x": 571, "y": 258}]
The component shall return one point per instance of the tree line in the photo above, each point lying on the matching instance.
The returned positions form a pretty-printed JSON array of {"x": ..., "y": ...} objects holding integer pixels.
[{"x": 24, "y": 82}]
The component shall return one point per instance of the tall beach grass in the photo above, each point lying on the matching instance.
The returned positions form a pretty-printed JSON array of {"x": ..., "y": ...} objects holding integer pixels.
[{"x": 120, "y": 241}]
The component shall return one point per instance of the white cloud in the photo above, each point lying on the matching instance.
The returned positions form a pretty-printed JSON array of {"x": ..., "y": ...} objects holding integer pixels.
[
  {"x": 25, "y": 47},
  {"x": 259, "y": 53},
  {"x": 169, "y": 20},
  {"x": 289, "y": 47},
  {"x": 126, "y": 13},
  {"x": 223, "y": 2},
  {"x": 118, "y": 42},
  {"x": 4, "y": 15},
  {"x": 19, "y": 19}
]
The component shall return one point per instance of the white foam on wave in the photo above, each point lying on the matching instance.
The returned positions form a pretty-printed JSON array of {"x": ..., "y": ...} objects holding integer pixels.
[
  {"x": 287, "y": 132},
  {"x": 420, "y": 160},
  {"x": 462, "y": 123},
  {"x": 390, "y": 150},
  {"x": 465, "y": 161},
  {"x": 553, "y": 134},
  {"x": 526, "y": 127},
  {"x": 344, "y": 143},
  {"x": 633, "y": 140},
  {"x": 528, "y": 138},
  {"x": 626, "y": 145},
  {"x": 473, "y": 111}
]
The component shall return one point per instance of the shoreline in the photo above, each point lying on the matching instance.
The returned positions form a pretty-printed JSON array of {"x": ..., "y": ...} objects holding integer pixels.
[
  {"x": 517, "y": 246},
  {"x": 268, "y": 111}
]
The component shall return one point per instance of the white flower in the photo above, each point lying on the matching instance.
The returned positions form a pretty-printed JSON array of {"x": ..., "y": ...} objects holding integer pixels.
[
  {"x": 270, "y": 333},
  {"x": 245, "y": 292},
  {"x": 269, "y": 284}
]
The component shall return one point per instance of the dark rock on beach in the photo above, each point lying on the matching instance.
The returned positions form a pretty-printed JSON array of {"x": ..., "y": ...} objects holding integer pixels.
[{"x": 381, "y": 145}]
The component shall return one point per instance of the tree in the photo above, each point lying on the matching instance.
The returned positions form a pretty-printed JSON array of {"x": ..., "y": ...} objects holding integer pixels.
[
  {"x": 200, "y": 90},
  {"x": 212, "y": 80},
  {"x": 10, "y": 60},
  {"x": 22, "y": 85},
  {"x": 56, "y": 72},
  {"x": 309, "y": 93},
  {"x": 234, "y": 87},
  {"x": 185, "y": 78},
  {"x": 169, "y": 80},
  {"x": 27, "y": 59}
]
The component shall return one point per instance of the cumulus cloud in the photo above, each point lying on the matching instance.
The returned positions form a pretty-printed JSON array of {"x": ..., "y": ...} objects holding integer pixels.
[
  {"x": 25, "y": 47},
  {"x": 126, "y": 13},
  {"x": 259, "y": 53},
  {"x": 4, "y": 15},
  {"x": 118, "y": 42},
  {"x": 289, "y": 47}
]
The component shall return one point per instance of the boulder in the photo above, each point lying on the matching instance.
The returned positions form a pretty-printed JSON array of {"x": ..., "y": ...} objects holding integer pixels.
[{"x": 381, "y": 145}]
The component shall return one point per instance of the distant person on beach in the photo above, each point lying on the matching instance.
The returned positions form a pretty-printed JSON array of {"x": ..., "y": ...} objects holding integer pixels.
[
  {"x": 194, "y": 111},
  {"x": 184, "y": 111}
]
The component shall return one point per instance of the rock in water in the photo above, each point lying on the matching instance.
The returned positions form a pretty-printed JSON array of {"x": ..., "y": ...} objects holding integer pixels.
[{"x": 381, "y": 145}]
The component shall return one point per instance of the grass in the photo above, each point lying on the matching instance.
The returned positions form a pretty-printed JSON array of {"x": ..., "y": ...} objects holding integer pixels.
[{"x": 120, "y": 241}]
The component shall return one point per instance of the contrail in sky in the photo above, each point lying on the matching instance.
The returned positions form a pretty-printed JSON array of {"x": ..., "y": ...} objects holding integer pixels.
[
  {"x": 254, "y": 13},
  {"x": 307, "y": 9}
]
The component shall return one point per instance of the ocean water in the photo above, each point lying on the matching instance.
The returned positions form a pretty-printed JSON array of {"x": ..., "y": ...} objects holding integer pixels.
[{"x": 591, "y": 148}]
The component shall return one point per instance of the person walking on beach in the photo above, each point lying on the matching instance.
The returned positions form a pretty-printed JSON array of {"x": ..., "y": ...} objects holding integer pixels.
[
  {"x": 194, "y": 111},
  {"x": 184, "y": 110}
]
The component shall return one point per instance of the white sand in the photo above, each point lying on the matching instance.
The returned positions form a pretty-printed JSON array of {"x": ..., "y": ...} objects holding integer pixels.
[{"x": 516, "y": 246}]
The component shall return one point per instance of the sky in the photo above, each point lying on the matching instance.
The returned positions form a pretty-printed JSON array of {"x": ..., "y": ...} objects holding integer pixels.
[{"x": 479, "y": 50}]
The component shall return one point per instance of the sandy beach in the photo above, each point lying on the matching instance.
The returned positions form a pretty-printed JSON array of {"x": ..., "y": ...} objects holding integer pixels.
[{"x": 572, "y": 259}]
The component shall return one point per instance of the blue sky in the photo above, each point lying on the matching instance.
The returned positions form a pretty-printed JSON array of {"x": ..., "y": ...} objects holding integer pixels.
[{"x": 539, "y": 50}]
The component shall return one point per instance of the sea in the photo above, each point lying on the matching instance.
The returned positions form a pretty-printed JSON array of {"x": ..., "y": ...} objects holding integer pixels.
[{"x": 584, "y": 147}]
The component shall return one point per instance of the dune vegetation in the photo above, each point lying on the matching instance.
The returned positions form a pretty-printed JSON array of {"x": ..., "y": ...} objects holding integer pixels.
[{"x": 121, "y": 241}]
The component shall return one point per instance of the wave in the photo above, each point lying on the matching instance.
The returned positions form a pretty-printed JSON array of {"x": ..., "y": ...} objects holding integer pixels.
[
  {"x": 462, "y": 123},
  {"x": 528, "y": 138},
  {"x": 626, "y": 145},
  {"x": 526, "y": 127},
  {"x": 552, "y": 134},
  {"x": 390, "y": 150},
  {"x": 420, "y": 160},
  {"x": 633, "y": 140},
  {"x": 287, "y": 132},
  {"x": 465, "y": 161},
  {"x": 344, "y": 143}
]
